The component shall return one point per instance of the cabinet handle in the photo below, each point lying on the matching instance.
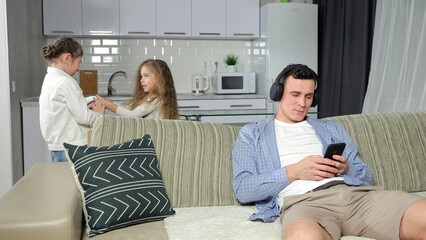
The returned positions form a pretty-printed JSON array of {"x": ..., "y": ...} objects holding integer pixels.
[
  {"x": 207, "y": 34},
  {"x": 100, "y": 32},
  {"x": 137, "y": 32},
  {"x": 62, "y": 32},
  {"x": 243, "y": 34},
  {"x": 189, "y": 106},
  {"x": 242, "y": 105},
  {"x": 174, "y": 33}
]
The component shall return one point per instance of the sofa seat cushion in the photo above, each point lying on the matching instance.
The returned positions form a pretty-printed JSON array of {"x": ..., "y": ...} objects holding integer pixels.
[
  {"x": 144, "y": 231},
  {"x": 223, "y": 222},
  {"x": 423, "y": 193},
  {"x": 219, "y": 222}
]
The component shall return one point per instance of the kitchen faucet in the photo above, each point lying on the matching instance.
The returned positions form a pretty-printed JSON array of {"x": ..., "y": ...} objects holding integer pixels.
[{"x": 110, "y": 88}]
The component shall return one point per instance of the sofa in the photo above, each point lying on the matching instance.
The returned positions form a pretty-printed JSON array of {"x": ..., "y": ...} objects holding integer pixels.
[{"x": 196, "y": 167}]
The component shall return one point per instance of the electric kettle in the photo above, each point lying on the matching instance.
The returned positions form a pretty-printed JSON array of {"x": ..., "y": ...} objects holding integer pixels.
[{"x": 200, "y": 84}]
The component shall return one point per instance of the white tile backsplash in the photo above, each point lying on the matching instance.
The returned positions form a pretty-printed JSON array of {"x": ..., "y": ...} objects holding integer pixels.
[{"x": 184, "y": 57}]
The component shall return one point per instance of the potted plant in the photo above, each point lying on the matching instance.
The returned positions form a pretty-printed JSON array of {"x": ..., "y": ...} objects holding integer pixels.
[{"x": 231, "y": 60}]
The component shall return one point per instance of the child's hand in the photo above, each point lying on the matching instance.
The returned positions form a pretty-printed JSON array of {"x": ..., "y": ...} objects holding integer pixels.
[
  {"x": 108, "y": 104},
  {"x": 103, "y": 100},
  {"x": 97, "y": 106}
]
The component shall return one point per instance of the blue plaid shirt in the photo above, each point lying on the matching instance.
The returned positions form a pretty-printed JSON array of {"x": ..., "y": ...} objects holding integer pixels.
[{"x": 258, "y": 175}]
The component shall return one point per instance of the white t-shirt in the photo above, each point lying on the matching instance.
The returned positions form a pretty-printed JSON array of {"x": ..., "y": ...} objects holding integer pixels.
[
  {"x": 64, "y": 114},
  {"x": 296, "y": 141}
]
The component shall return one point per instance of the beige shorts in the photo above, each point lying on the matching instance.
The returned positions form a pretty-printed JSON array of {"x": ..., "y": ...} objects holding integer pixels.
[{"x": 351, "y": 211}]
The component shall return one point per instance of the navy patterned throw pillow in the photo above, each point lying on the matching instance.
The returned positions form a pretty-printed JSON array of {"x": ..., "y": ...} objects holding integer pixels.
[{"x": 121, "y": 185}]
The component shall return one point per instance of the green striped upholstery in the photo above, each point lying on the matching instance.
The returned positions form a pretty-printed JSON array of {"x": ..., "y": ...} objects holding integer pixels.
[
  {"x": 393, "y": 145},
  {"x": 194, "y": 157}
]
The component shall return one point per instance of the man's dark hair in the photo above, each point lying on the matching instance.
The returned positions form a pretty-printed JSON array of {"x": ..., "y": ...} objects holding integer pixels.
[{"x": 299, "y": 71}]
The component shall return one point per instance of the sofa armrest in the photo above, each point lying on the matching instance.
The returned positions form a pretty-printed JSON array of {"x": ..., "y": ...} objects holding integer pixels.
[{"x": 44, "y": 204}]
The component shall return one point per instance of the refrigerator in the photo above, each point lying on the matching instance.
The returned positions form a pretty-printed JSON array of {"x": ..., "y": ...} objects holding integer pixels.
[{"x": 288, "y": 34}]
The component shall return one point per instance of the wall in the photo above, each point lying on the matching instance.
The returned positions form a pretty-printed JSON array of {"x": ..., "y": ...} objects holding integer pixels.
[
  {"x": 5, "y": 117},
  {"x": 184, "y": 57},
  {"x": 26, "y": 67}
]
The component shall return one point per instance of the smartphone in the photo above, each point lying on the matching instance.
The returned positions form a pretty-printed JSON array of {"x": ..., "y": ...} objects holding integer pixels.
[{"x": 334, "y": 149}]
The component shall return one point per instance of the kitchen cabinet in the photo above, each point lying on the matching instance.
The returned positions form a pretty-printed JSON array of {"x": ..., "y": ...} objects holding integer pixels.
[
  {"x": 208, "y": 18},
  {"x": 242, "y": 18},
  {"x": 62, "y": 17},
  {"x": 205, "y": 19},
  {"x": 232, "y": 104},
  {"x": 222, "y": 107},
  {"x": 101, "y": 17},
  {"x": 34, "y": 145},
  {"x": 173, "y": 18},
  {"x": 137, "y": 18},
  {"x": 196, "y": 104},
  {"x": 223, "y": 104},
  {"x": 238, "y": 104}
]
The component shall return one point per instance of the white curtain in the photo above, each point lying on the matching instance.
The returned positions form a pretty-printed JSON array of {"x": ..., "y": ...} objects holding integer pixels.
[{"x": 397, "y": 79}]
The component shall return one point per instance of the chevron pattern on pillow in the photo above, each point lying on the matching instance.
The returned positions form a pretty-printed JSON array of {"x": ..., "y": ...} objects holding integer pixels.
[{"x": 121, "y": 185}]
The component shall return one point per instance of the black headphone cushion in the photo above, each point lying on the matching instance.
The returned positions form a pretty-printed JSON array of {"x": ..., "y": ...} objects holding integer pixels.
[
  {"x": 315, "y": 101},
  {"x": 276, "y": 91}
]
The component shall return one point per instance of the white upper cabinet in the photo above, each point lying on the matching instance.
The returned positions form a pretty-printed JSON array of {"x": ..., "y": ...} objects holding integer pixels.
[
  {"x": 101, "y": 17},
  {"x": 208, "y": 18},
  {"x": 173, "y": 18},
  {"x": 242, "y": 18},
  {"x": 137, "y": 18},
  {"x": 62, "y": 17}
]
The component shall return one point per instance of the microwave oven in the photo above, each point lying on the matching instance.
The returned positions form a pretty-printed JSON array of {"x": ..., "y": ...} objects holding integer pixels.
[{"x": 234, "y": 82}]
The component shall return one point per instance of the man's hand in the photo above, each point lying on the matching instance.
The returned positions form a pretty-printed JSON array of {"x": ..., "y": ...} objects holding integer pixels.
[
  {"x": 317, "y": 168},
  {"x": 340, "y": 164}
]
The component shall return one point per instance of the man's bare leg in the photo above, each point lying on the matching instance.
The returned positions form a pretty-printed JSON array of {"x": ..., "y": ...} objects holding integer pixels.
[
  {"x": 305, "y": 229},
  {"x": 413, "y": 223}
]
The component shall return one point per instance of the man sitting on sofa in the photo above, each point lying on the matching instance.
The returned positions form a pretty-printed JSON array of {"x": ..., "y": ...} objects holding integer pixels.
[{"x": 278, "y": 164}]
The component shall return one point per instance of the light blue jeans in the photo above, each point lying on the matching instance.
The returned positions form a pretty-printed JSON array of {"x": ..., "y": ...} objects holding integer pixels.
[{"x": 58, "y": 156}]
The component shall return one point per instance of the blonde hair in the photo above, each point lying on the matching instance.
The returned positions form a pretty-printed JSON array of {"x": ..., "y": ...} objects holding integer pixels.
[{"x": 164, "y": 90}]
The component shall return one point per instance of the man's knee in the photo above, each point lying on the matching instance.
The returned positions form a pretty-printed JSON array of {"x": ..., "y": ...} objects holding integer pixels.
[
  {"x": 413, "y": 223},
  {"x": 305, "y": 229}
]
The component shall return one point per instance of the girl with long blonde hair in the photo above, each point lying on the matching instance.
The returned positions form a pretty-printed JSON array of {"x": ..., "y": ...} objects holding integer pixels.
[{"x": 154, "y": 94}]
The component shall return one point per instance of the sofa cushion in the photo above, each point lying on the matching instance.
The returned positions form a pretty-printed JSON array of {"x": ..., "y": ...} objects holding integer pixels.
[
  {"x": 195, "y": 158},
  {"x": 45, "y": 204},
  {"x": 221, "y": 222},
  {"x": 393, "y": 145},
  {"x": 121, "y": 184},
  {"x": 146, "y": 231}
]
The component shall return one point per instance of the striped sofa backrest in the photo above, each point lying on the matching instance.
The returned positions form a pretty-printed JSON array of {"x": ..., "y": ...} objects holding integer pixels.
[
  {"x": 194, "y": 157},
  {"x": 393, "y": 145}
]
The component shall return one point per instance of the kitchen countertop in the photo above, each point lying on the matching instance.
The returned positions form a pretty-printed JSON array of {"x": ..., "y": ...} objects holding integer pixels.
[{"x": 33, "y": 101}]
